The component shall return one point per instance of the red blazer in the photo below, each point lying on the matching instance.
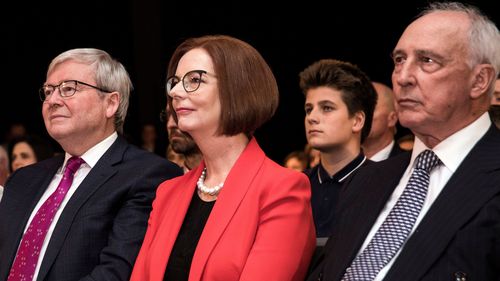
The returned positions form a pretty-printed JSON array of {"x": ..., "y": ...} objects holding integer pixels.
[{"x": 260, "y": 228}]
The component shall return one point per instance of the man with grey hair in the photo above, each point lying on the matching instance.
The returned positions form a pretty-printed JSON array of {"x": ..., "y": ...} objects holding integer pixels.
[
  {"x": 434, "y": 213},
  {"x": 81, "y": 215}
]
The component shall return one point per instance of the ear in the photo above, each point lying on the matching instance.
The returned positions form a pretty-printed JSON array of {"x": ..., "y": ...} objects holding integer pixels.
[
  {"x": 484, "y": 75},
  {"x": 392, "y": 118},
  {"x": 112, "y": 101},
  {"x": 358, "y": 121}
]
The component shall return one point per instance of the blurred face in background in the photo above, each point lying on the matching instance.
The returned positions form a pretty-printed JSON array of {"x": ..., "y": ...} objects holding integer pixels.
[
  {"x": 295, "y": 164},
  {"x": 179, "y": 141},
  {"x": 22, "y": 155},
  {"x": 384, "y": 116},
  {"x": 148, "y": 134},
  {"x": 495, "y": 99}
]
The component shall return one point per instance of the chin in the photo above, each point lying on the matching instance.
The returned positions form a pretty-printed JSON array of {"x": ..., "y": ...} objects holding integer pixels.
[
  {"x": 315, "y": 144},
  {"x": 58, "y": 133},
  {"x": 407, "y": 117},
  {"x": 185, "y": 127}
]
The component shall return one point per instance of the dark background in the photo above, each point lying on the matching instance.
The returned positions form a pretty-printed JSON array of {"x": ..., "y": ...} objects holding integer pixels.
[{"x": 143, "y": 34}]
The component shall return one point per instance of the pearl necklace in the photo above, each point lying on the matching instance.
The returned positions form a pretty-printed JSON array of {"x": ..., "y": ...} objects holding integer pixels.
[{"x": 212, "y": 191}]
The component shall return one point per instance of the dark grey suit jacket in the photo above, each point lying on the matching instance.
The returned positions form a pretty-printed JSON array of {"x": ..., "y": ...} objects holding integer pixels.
[
  {"x": 459, "y": 236},
  {"x": 101, "y": 229},
  {"x": 396, "y": 150}
]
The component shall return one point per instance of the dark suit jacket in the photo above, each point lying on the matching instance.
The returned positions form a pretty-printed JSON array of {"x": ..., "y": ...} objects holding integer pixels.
[
  {"x": 460, "y": 234},
  {"x": 396, "y": 150},
  {"x": 101, "y": 229}
]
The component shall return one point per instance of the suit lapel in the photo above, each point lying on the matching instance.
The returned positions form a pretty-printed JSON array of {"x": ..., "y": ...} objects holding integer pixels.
[
  {"x": 236, "y": 186},
  {"x": 98, "y": 175},
  {"x": 175, "y": 202},
  {"x": 38, "y": 184},
  {"x": 28, "y": 193},
  {"x": 354, "y": 217},
  {"x": 475, "y": 181}
]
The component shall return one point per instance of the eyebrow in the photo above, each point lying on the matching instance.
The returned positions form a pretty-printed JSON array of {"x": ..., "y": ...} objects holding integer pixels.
[
  {"x": 323, "y": 102},
  {"x": 397, "y": 52},
  {"x": 428, "y": 53}
]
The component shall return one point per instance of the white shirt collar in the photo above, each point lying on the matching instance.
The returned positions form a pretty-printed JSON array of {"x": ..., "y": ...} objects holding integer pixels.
[
  {"x": 93, "y": 155},
  {"x": 452, "y": 150},
  {"x": 383, "y": 153}
]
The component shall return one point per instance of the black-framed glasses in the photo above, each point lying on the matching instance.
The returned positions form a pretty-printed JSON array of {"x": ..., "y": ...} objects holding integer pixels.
[
  {"x": 66, "y": 89},
  {"x": 190, "y": 81}
]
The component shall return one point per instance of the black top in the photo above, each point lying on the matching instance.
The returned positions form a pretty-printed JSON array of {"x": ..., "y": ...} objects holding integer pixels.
[
  {"x": 325, "y": 193},
  {"x": 182, "y": 254}
]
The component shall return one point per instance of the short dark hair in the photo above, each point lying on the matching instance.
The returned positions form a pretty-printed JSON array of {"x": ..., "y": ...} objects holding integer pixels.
[
  {"x": 248, "y": 91},
  {"x": 356, "y": 88}
]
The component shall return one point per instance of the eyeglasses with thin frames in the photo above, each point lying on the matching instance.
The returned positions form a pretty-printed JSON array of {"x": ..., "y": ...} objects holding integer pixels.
[
  {"x": 190, "y": 81},
  {"x": 66, "y": 89}
]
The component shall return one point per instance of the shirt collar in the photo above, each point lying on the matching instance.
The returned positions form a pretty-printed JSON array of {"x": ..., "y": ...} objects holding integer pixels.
[
  {"x": 383, "y": 153},
  {"x": 452, "y": 150},
  {"x": 93, "y": 155},
  {"x": 344, "y": 172}
]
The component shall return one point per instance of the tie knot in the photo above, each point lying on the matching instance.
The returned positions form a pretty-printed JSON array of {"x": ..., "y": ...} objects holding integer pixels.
[
  {"x": 427, "y": 160},
  {"x": 73, "y": 165}
]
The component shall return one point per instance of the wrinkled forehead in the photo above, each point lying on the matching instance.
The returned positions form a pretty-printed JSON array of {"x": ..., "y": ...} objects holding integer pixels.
[
  {"x": 437, "y": 30},
  {"x": 439, "y": 26}
]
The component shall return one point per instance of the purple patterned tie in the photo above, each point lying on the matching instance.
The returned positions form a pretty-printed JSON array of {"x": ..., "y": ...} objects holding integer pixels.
[{"x": 27, "y": 255}]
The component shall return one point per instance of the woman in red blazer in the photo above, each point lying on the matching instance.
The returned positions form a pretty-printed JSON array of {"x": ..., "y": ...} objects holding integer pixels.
[{"x": 239, "y": 215}]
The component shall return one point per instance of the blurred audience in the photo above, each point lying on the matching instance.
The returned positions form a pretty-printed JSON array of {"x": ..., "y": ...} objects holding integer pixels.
[
  {"x": 16, "y": 130},
  {"x": 406, "y": 142},
  {"x": 182, "y": 149},
  {"x": 4, "y": 168},
  {"x": 28, "y": 150},
  {"x": 296, "y": 160},
  {"x": 380, "y": 144},
  {"x": 175, "y": 157},
  {"x": 495, "y": 98},
  {"x": 149, "y": 140},
  {"x": 495, "y": 104},
  {"x": 313, "y": 155},
  {"x": 148, "y": 137}
]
